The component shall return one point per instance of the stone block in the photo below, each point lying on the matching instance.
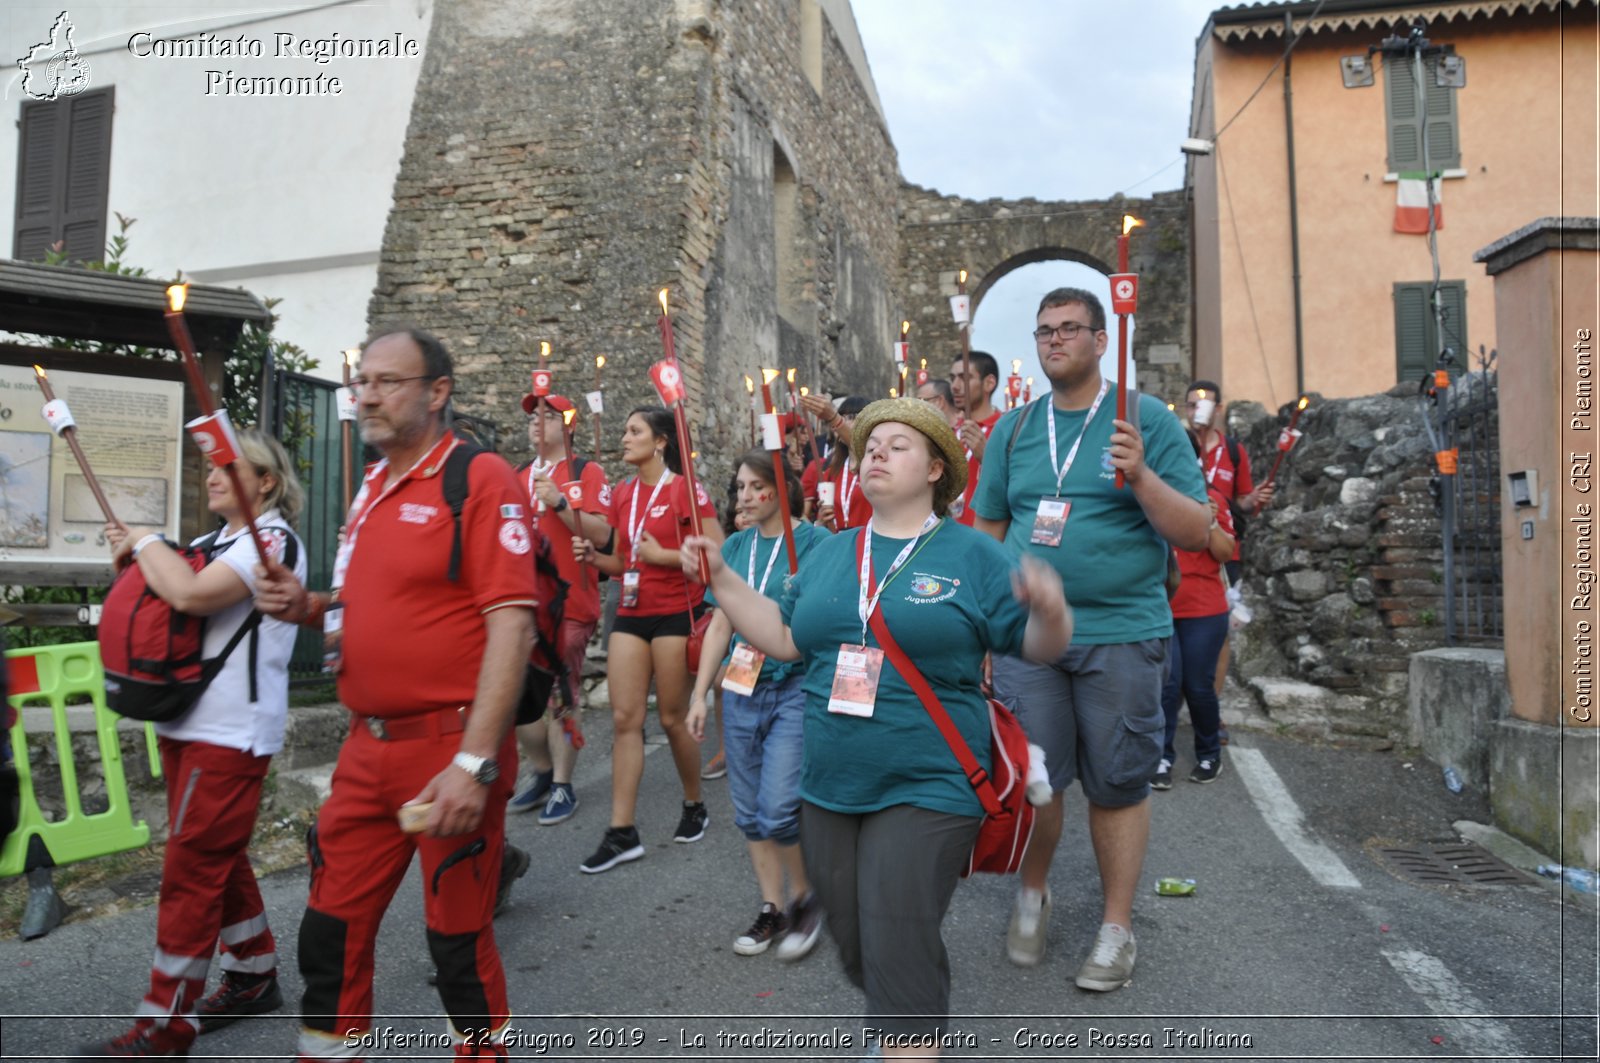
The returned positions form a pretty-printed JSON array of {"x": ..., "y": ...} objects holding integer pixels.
[
  {"x": 1358, "y": 491},
  {"x": 1456, "y": 697},
  {"x": 1307, "y": 585},
  {"x": 1542, "y": 788}
]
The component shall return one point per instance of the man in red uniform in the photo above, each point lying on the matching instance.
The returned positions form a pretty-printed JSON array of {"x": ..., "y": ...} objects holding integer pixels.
[
  {"x": 973, "y": 380},
  {"x": 431, "y": 669},
  {"x": 569, "y": 497}
]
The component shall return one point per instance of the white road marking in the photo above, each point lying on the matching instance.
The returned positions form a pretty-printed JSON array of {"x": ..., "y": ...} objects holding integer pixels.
[
  {"x": 1432, "y": 981},
  {"x": 1286, "y": 820}
]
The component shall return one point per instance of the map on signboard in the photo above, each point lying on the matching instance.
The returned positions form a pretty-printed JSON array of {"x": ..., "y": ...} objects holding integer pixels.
[
  {"x": 140, "y": 500},
  {"x": 24, "y": 488}
]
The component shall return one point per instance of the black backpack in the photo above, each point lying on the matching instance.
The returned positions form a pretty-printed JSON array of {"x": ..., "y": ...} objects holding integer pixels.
[
  {"x": 1240, "y": 516},
  {"x": 546, "y": 671}
]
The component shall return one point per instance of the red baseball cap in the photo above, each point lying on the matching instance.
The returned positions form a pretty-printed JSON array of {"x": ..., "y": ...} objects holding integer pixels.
[{"x": 559, "y": 403}]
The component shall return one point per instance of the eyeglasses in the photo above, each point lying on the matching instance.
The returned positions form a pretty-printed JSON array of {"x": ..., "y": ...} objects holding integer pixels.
[
  {"x": 1067, "y": 330},
  {"x": 384, "y": 386}
]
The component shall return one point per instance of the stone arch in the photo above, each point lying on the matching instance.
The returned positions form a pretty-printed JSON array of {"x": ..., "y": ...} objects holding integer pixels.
[{"x": 992, "y": 238}]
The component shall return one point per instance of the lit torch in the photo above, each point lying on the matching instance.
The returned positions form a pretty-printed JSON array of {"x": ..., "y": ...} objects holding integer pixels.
[
  {"x": 1124, "y": 295},
  {"x": 599, "y": 401},
  {"x": 668, "y": 377},
  {"x": 1288, "y": 437},
  {"x": 903, "y": 356},
  {"x": 961, "y": 311},
  {"x": 774, "y": 445}
]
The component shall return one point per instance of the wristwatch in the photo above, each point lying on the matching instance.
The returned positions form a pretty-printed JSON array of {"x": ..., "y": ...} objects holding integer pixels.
[
  {"x": 561, "y": 503},
  {"x": 482, "y": 769}
]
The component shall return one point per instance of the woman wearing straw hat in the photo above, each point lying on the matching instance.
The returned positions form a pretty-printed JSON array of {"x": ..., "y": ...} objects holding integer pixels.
[{"x": 888, "y": 819}]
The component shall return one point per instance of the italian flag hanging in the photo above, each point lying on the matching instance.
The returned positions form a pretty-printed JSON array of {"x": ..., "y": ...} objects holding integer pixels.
[{"x": 1411, "y": 203}]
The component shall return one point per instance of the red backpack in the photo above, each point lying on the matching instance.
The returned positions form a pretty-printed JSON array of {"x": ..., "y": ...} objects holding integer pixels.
[{"x": 151, "y": 652}]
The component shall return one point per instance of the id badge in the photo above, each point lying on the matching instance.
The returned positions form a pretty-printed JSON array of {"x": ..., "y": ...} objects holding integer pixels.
[
  {"x": 855, "y": 681},
  {"x": 630, "y": 588},
  {"x": 333, "y": 638},
  {"x": 744, "y": 670},
  {"x": 1050, "y": 521}
]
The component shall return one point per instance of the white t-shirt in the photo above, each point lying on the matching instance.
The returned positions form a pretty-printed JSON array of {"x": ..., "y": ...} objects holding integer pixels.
[{"x": 224, "y": 715}]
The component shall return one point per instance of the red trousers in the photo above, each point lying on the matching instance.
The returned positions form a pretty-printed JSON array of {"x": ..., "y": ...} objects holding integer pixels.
[
  {"x": 358, "y": 858},
  {"x": 208, "y": 889}
]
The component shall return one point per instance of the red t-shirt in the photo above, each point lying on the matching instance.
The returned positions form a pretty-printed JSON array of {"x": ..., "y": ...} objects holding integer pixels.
[
  {"x": 1220, "y": 475},
  {"x": 850, "y": 506},
  {"x": 974, "y": 467},
  {"x": 815, "y": 471},
  {"x": 662, "y": 590},
  {"x": 1200, "y": 592},
  {"x": 587, "y": 494},
  {"x": 414, "y": 639}
]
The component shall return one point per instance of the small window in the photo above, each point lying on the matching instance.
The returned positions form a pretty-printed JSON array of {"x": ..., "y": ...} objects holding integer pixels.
[
  {"x": 1416, "y": 339},
  {"x": 1406, "y": 126},
  {"x": 63, "y": 176}
]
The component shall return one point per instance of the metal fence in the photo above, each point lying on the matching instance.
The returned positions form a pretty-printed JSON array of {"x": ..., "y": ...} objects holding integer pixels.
[
  {"x": 302, "y": 411},
  {"x": 1469, "y": 417}
]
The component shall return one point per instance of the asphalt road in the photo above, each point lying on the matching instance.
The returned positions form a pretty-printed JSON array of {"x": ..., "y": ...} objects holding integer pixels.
[{"x": 1298, "y": 944}]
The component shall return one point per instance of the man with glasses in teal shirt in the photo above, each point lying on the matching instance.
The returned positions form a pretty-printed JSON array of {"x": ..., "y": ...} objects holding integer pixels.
[{"x": 1048, "y": 489}]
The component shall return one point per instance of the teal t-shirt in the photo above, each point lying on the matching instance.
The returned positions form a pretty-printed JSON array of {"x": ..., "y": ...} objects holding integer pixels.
[
  {"x": 947, "y": 606},
  {"x": 1113, "y": 565},
  {"x": 736, "y": 555}
]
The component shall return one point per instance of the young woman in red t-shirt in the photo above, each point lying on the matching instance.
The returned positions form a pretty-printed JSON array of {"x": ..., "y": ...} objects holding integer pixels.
[
  {"x": 650, "y": 518},
  {"x": 849, "y": 508}
]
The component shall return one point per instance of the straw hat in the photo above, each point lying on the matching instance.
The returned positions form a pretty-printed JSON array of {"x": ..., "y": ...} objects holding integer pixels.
[{"x": 930, "y": 422}]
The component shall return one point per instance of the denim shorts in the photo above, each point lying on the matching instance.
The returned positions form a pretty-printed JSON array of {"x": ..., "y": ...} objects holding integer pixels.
[
  {"x": 1096, "y": 710},
  {"x": 763, "y": 738}
]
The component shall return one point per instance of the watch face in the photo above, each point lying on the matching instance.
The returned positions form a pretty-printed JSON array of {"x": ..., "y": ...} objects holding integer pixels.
[{"x": 488, "y": 772}]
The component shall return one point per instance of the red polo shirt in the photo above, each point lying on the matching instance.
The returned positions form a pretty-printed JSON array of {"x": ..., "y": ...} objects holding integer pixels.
[
  {"x": 974, "y": 467},
  {"x": 589, "y": 493},
  {"x": 1200, "y": 592},
  {"x": 1221, "y": 475},
  {"x": 662, "y": 590},
  {"x": 413, "y": 639}
]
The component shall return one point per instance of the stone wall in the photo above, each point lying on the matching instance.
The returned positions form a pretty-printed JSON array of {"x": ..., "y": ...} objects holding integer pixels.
[
  {"x": 942, "y": 234},
  {"x": 1344, "y": 573},
  {"x": 565, "y": 161}
]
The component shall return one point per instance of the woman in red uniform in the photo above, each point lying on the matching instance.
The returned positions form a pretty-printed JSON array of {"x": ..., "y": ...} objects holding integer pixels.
[{"x": 650, "y": 517}]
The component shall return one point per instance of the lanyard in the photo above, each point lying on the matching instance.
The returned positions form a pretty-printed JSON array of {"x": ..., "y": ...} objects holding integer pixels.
[
  {"x": 847, "y": 488},
  {"x": 865, "y": 605},
  {"x": 1216, "y": 463},
  {"x": 637, "y": 529},
  {"x": 361, "y": 509},
  {"x": 755, "y": 545},
  {"x": 1050, "y": 423}
]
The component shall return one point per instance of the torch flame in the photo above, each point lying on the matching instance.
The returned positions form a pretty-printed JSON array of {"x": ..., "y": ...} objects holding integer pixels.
[
  {"x": 1172, "y": 406},
  {"x": 1128, "y": 223},
  {"x": 567, "y": 416},
  {"x": 1016, "y": 365},
  {"x": 961, "y": 278},
  {"x": 544, "y": 348},
  {"x": 749, "y": 385},
  {"x": 662, "y": 296},
  {"x": 599, "y": 361},
  {"x": 352, "y": 356},
  {"x": 769, "y": 375},
  {"x": 1200, "y": 393},
  {"x": 804, "y": 391},
  {"x": 1030, "y": 383},
  {"x": 924, "y": 365},
  {"x": 893, "y": 394},
  {"x": 789, "y": 376},
  {"x": 177, "y": 295},
  {"x": 1304, "y": 401},
  {"x": 905, "y": 327},
  {"x": 40, "y": 370}
]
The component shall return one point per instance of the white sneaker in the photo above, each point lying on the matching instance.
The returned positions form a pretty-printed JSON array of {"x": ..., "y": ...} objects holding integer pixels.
[
  {"x": 1030, "y": 924},
  {"x": 1110, "y": 965}
]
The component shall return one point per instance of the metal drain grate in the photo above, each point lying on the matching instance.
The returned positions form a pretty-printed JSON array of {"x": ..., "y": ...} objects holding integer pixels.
[{"x": 1452, "y": 864}]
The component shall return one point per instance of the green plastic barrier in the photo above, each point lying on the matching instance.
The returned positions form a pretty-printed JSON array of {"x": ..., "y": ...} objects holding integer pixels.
[{"x": 68, "y": 672}]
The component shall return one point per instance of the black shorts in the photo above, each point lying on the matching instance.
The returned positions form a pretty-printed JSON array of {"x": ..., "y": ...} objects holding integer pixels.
[{"x": 649, "y": 628}]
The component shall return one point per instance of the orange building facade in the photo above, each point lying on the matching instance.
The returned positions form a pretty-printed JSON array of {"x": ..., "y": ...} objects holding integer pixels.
[{"x": 1518, "y": 141}]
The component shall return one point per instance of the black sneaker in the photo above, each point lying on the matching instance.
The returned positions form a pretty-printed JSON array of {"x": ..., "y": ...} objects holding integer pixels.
[
  {"x": 692, "y": 826},
  {"x": 1163, "y": 779},
  {"x": 237, "y": 996},
  {"x": 513, "y": 865},
  {"x": 764, "y": 931},
  {"x": 619, "y": 846},
  {"x": 804, "y": 919},
  {"x": 1206, "y": 770}
]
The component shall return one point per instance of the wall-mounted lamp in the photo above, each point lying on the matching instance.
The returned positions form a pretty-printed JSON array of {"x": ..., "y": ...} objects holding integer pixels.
[
  {"x": 1196, "y": 146},
  {"x": 1356, "y": 71},
  {"x": 1524, "y": 484}
]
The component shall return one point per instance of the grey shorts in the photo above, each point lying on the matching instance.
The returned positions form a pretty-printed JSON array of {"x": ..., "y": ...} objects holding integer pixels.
[{"x": 1096, "y": 711}]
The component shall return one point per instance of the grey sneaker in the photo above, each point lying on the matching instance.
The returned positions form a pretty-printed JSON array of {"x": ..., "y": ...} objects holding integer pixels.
[
  {"x": 1110, "y": 965},
  {"x": 1026, "y": 936}
]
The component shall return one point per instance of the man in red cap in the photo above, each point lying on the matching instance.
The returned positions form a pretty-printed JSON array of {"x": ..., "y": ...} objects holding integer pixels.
[{"x": 570, "y": 497}]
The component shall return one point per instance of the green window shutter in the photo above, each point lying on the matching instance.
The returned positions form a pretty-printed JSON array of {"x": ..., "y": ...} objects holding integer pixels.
[
  {"x": 1412, "y": 330},
  {"x": 1405, "y": 125},
  {"x": 63, "y": 176}
]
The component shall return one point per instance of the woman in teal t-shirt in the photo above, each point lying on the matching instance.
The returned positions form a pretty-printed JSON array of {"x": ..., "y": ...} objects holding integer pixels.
[
  {"x": 887, "y": 817},
  {"x": 763, "y": 712}
]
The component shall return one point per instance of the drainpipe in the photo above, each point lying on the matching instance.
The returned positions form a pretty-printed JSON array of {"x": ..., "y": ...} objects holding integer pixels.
[{"x": 1294, "y": 211}]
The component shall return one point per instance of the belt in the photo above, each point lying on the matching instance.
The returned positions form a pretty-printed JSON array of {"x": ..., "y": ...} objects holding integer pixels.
[{"x": 434, "y": 724}]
